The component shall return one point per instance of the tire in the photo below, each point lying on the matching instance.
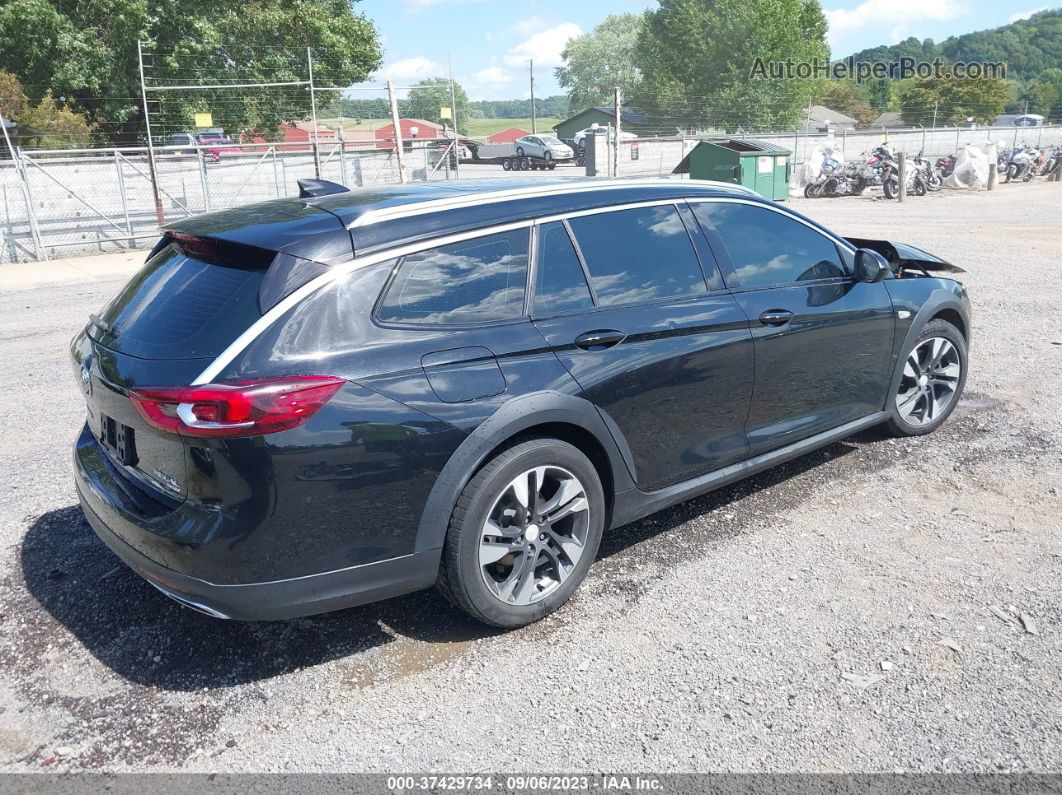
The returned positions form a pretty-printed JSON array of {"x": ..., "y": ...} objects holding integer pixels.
[
  {"x": 505, "y": 592},
  {"x": 548, "y": 157},
  {"x": 919, "y": 188},
  {"x": 507, "y": 165},
  {"x": 859, "y": 187},
  {"x": 519, "y": 151},
  {"x": 891, "y": 188},
  {"x": 912, "y": 413},
  {"x": 813, "y": 191},
  {"x": 525, "y": 164},
  {"x": 551, "y": 166}
]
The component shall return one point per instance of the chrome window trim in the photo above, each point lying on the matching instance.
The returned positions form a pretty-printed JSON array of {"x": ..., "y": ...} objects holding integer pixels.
[{"x": 474, "y": 199}]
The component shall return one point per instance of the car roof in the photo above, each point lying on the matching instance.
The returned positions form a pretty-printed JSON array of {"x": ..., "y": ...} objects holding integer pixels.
[
  {"x": 381, "y": 217},
  {"x": 396, "y": 214}
]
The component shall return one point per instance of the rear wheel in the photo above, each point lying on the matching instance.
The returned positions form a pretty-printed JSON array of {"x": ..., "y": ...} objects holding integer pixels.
[
  {"x": 507, "y": 165},
  {"x": 519, "y": 151},
  {"x": 932, "y": 380},
  {"x": 891, "y": 188},
  {"x": 523, "y": 534}
]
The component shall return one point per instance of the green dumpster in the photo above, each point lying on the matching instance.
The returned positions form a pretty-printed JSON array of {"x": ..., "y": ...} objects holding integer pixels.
[{"x": 761, "y": 166}]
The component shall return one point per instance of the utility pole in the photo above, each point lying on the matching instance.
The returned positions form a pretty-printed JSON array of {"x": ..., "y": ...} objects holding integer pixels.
[
  {"x": 531, "y": 74},
  {"x": 616, "y": 103},
  {"x": 151, "y": 146},
  {"x": 398, "y": 129},
  {"x": 313, "y": 116}
]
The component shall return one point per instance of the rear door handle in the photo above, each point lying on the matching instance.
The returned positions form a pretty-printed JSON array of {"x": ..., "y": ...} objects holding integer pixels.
[
  {"x": 776, "y": 317},
  {"x": 599, "y": 339}
]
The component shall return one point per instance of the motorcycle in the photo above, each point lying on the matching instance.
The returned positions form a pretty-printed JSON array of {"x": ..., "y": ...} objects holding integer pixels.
[
  {"x": 1054, "y": 160},
  {"x": 890, "y": 175},
  {"x": 816, "y": 188},
  {"x": 924, "y": 171},
  {"x": 1020, "y": 163},
  {"x": 945, "y": 166}
]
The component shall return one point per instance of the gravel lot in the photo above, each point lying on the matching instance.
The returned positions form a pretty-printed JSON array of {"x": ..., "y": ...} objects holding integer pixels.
[{"x": 855, "y": 610}]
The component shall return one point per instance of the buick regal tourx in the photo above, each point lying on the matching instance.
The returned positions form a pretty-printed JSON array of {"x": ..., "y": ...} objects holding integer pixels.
[{"x": 312, "y": 403}]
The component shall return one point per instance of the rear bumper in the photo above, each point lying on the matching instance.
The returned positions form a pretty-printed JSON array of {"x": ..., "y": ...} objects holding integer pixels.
[{"x": 257, "y": 601}]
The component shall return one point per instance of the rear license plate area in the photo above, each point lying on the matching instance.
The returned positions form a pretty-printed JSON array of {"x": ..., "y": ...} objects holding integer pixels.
[{"x": 118, "y": 440}]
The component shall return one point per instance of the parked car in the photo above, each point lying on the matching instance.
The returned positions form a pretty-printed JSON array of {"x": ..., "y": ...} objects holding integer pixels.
[
  {"x": 547, "y": 147},
  {"x": 303, "y": 405},
  {"x": 623, "y": 136}
]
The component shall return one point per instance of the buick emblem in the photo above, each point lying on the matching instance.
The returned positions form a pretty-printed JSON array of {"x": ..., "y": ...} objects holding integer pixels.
[{"x": 86, "y": 377}]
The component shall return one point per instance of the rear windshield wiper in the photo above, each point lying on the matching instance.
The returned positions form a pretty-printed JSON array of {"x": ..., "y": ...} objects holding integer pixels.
[{"x": 103, "y": 325}]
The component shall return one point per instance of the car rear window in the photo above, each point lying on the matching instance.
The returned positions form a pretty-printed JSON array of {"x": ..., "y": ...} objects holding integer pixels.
[{"x": 189, "y": 301}]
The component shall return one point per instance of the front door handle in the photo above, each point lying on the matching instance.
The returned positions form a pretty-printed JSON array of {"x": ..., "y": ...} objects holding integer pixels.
[
  {"x": 599, "y": 339},
  {"x": 776, "y": 317}
]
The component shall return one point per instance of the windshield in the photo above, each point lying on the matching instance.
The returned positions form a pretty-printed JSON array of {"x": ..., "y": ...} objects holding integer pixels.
[{"x": 552, "y": 140}]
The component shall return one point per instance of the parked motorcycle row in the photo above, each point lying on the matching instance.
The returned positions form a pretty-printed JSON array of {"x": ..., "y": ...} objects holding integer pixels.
[
  {"x": 881, "y": 169},
  {"x": 1023, "y": 162}
]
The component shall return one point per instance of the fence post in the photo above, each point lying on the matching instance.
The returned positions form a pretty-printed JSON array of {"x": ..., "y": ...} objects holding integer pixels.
[
  {"x": 957, "y": 131},
  {"x": 393, "y": 99},
  {"x": 160, "y": 215},
  {"x": 993, "y": 170},
  {"x": 203, "y": 179},
  {"x": 276, "y": 172},
  {"x": 902, "y": 195},
  {"x": 31, "y": 212},
  {"x": 616, "y": 102},
  {"x": 342, "y": 159},
  {"x": 125, "y": 201}
]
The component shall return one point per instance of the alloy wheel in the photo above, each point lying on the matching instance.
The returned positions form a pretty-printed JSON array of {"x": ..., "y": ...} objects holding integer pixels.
[
  {"x": 930, "y": 377},
  {"x": 534, "y": 535}
]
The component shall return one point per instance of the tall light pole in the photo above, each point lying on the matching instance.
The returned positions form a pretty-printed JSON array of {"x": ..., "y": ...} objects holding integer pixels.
[{"x": 531, "y": 74}]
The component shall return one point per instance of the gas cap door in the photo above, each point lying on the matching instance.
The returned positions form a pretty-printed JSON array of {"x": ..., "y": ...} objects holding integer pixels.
[{"x": 458, "y": 375}]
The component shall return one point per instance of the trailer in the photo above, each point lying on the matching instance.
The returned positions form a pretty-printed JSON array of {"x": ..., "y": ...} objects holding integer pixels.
[{"x": 510, "y": 157}]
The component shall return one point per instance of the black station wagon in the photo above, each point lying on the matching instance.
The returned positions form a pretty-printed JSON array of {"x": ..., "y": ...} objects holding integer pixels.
[{"x": 308, "y": 404}]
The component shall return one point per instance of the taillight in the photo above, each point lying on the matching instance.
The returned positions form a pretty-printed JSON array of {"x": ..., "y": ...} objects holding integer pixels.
[{"x": 245, "y": 408}]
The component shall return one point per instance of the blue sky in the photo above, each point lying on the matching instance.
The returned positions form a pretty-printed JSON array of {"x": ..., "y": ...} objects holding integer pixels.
[{"x": 490, "y": 41}]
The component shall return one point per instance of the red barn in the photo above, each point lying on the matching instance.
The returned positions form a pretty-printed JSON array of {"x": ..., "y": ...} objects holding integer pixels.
[
  {"x": 385, "y": 136},
  {"x": 507, "y": 136}
]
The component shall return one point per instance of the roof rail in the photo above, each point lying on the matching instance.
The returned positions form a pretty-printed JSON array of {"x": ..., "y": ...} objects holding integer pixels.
[{"x": 476, "y": 198}]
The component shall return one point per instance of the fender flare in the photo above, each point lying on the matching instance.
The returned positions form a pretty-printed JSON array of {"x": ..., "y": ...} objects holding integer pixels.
[
  {"x": 937, "y": 301},
  {"x": 514, "y": 417}
]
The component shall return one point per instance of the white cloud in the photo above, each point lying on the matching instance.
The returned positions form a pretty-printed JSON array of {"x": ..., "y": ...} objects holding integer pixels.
[
  {"x": 546, "y": 46},
  {"x": 410, "y": 70},
  {"x": 532, "y": 24},
  {"x": 1026, "y": 14},
  {"x": 417, "y": 5},
  {"x": 492, "y": 77},
  {"x": 897, "y": 14}
]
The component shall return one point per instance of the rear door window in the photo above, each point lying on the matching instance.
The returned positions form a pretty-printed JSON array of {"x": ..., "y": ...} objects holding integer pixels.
[
  {"x": 184, "y": 306},
  {"x": 640, "y": 254},
  {"x": 561, "y": 285},
  {"x": 481, "y": 280}
]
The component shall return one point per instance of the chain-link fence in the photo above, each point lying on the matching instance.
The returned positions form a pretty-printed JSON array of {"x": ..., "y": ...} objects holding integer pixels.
[{"x": 69, "y": 202}]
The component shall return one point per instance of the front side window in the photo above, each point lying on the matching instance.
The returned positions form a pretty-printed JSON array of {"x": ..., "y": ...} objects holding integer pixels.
[
  {"x": 768, "y": 248},
  {"x": 637, "y": 255},
  {"x": 475, "y": 281}
]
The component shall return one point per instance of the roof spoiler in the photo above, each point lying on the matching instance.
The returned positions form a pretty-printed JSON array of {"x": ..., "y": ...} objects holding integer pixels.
[{"x": 308, "y": 188}]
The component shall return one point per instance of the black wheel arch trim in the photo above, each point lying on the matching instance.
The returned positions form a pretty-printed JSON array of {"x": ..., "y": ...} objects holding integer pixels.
[
  {"x": 937, "y": 302},
  {"x": 511, "y": 419}
]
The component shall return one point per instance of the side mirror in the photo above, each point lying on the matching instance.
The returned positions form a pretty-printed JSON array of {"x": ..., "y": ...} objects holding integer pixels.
[{"x": 870, "y": 266}]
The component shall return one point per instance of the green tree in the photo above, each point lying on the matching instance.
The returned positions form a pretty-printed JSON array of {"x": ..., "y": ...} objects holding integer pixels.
[
  {"x": 598, "y": 62},
  {"x": 696, "y": 58},
  {"x": 58, "y": 127},
  {"x": 844, "y": 96},
  {"x": 950, "y": 100},
  {"x": 87, "y": 52},
  {"x": 429, "y": 96}
]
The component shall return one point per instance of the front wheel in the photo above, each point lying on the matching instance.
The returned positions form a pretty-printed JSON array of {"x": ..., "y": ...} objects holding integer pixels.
[
  {"x": 523, "y": 534},
  {"x": 931, "y": 382},
  {"x": 812, "y": 191},
  {"x": 891, "y": 188}
]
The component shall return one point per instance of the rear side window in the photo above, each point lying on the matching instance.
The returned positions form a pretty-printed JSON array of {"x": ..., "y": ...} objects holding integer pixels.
[
  {"x": 561, "y": 284},
  {"x": 475, "y": 281},
  {"x": 768, "y": 248},
  {"x": 183, "y": 306},
  {"x": 640, "y": 254}
]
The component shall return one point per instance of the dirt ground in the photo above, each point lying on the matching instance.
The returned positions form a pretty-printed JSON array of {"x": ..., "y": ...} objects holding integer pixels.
[{"x": 878, "y": 605}]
